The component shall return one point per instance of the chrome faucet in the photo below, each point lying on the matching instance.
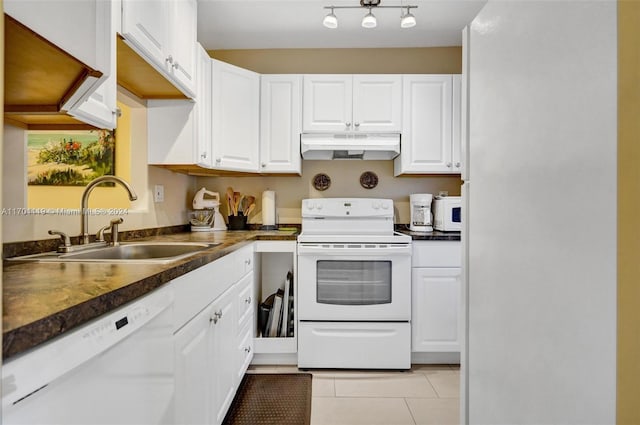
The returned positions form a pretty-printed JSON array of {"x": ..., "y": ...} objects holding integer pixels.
[{"x": 84, "y": 215}]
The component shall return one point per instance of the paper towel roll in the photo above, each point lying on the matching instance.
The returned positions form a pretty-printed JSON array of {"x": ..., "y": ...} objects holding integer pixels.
[{"x": 268, "y": 208}]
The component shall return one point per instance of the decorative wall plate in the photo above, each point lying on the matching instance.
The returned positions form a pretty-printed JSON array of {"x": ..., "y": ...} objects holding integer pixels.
[
  {"x": 368, "y": 180},
  {"x": 321, "y": 181}
]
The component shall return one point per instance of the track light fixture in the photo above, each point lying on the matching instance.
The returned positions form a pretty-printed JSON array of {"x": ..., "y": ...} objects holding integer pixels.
[{"x": 407, "y": 20}]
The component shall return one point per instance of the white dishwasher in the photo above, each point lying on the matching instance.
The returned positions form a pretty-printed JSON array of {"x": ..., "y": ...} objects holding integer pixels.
[{"x": 116, "y": 370}]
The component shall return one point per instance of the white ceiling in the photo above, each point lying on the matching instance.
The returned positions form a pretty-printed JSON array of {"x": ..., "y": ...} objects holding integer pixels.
[{"x": 267, "y": 24}]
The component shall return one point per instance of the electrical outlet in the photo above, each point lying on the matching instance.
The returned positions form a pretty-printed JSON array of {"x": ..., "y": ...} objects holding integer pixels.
[{"x": 158, "y": 193}]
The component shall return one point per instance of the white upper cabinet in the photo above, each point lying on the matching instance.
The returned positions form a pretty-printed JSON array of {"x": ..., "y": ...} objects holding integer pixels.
[
  {"x": 99, "y": 109},
  {"x": 456, "y": 125},
  {"x": 340, "y": 103},
  {"x": 427, "y": 144},
  {"x": 235, "y": 122},
  {"x": 183, "y": 16},
  {"x": 327, "y": 102},
  {"x": 164, "y": 34},
  {"x": 280, "y": 123},
  {"x": 377, "y": 103},
  {"x": 91, "y": 40},
  {"x": 180, "y": 130},
  {"x": 203, "y": 106}
]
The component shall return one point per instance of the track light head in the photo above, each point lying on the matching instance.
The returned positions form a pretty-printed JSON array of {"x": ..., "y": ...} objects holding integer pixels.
[
  {"x": 408, "y": 20},
  {"x": 369, "y": 20},
  {"x": 331, "y": 20}
]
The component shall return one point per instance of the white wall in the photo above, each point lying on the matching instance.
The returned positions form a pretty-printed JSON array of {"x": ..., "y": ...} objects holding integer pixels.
[{"x": 542, "y": 223}]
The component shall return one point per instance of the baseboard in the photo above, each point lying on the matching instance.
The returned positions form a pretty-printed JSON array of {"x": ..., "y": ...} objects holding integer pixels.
[
  {"x": 275, "y": 359},
  {"x": 435, "y": 358}
]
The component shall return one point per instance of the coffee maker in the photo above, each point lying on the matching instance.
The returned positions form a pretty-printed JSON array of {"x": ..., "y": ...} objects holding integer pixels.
[{"x": 421, "y": 219}]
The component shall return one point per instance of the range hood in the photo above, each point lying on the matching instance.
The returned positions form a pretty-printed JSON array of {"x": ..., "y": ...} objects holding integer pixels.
[{"x": 349, "y": 146}]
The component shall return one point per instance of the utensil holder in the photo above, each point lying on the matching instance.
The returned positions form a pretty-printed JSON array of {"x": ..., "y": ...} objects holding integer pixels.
[{"x": 237, "y": 222}]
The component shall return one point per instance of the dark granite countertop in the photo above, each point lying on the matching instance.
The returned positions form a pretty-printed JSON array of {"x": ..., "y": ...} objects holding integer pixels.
[
  {"x": 436, "y": 235},
  {"x": 44, "y": 300}
]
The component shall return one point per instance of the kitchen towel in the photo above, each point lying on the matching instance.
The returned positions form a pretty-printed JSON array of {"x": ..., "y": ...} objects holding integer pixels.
[{"x": 268, "y": 208}]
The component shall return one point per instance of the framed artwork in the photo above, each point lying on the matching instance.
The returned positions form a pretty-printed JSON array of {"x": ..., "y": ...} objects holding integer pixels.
[{"x": 69, "y": 158}]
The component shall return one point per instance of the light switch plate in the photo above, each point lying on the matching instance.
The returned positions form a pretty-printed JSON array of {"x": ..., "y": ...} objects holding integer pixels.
[{"x": 158, "y": 193}]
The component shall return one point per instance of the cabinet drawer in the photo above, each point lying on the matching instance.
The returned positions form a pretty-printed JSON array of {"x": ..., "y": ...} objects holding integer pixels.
[
  {"x": 244, "y": 258},
  {"x": 436, "y": 254},
  {"x": 245, "y": 350},
  {"x": 245, "y": 300}
]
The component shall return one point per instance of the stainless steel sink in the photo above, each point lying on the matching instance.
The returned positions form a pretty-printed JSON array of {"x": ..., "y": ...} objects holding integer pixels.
[{"x": 132, "y": 252}]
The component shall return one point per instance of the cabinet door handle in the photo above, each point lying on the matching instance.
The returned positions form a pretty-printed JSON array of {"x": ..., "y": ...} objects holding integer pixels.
[
  {"x": 457, "y": 165},
  {"x": 263, "y": 165},
  {"x": 448, "y": 165},
  {"x": 248, "y": 300},
  {"x": 176, "y": 65},
  {"x": 248, "y": 261},
  {"x": 357, "y": 124},
  {"x": 203, "y": 154},
  {"x": 247, "y": 349},
  {"x": 218, "y": 160},
  {"x": 217, "y": 315},
  {"x": 348, "y": 124},
  {"x": 169, "y": 59}
]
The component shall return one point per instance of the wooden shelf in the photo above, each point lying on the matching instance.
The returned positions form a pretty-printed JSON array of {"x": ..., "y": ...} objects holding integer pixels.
[
  {"x": 136, "y": 75},
  {"x": 39, "y": 78}
]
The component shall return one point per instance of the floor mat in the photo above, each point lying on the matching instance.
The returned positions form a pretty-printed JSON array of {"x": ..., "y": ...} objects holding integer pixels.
[{"x": 272, "y": 399}]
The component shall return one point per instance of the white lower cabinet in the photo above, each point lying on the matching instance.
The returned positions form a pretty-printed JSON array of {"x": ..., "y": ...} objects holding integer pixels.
[
  {"x": 222, "y": 371},
  {"x": 213, "y": 348},
  {"x": 436, "y": 297},
  {"x": 192, "y": 357}
]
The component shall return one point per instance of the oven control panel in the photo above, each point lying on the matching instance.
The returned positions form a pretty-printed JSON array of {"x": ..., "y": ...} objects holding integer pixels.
[{"x": 347, "y": 207}]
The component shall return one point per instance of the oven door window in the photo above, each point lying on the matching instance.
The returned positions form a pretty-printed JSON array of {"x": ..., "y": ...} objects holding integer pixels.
[{"x": 347, "y": 282}]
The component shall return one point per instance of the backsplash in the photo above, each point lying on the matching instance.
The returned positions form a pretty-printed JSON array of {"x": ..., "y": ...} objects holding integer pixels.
[{"x": 345, "y": 182}]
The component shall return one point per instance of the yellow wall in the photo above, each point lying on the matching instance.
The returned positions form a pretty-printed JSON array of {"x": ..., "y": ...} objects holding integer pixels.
[
  {"x": 109, "y": 197},
  {"x": 628, "y": 397},
  {"x": 420, "y": 60}
]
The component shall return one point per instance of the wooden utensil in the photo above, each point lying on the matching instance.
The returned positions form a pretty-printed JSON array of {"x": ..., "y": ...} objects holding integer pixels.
[
  {"x": 242, "y": 208},
  {"x": 250, "y": 208},
  {"x": 230, "y": 200},
  {"x": 250, "y": 200},
  {"x": 236, "y": 202}
]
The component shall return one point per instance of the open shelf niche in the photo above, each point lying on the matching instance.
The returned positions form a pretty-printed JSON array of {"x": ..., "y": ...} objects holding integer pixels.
[{"x": 273, "y": 261}]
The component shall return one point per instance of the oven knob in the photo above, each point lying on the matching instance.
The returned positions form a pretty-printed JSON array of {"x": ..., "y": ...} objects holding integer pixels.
[
  {"x": 310, "y": 205},
  {"x": 319, "y": 206},
  {"x": 385, "y": 206},
  {"x": 376, "y": 205}
]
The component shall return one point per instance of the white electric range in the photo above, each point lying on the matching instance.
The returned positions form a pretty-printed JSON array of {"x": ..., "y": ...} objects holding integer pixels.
[{"x": 354, "y": 286}]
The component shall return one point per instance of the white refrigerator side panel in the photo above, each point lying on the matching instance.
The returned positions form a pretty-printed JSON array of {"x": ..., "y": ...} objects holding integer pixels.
[{"x": 542, "y": 214}]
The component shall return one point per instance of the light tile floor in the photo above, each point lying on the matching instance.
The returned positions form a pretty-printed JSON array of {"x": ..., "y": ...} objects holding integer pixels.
[{"x": 425, "y": 395}]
